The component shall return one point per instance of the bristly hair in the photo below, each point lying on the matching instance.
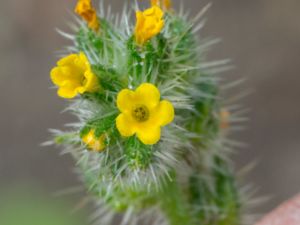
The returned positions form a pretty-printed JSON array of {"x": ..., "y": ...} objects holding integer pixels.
[{"x": 186, "y": 178}]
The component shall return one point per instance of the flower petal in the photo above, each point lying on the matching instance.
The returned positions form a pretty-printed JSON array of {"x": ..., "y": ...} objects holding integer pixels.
[
  {"x": 148, "y": 94},
  {"x": 67, "y": 60},
  {"x": 149, "y": 135},
  {"x": 165, "y": 112},
  {"x": 155, "y": 12},
  {"x": 56, "y": 76},
  {"x": 85, "y": 9},
  {"x": 139, "y": 26},
  {"x": 82, "y": 62},
  {"x": 125, "y": 125},
  {"x": 66, "y": 92},
  {"x": 91, "y": 83},
  {"x": 68, "y": 89},
  {"x": 149, "y": 23},
  {"x": 125, "y": 100}
]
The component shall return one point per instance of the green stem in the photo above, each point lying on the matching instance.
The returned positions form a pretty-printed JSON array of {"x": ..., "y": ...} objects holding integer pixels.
[{"x": 174, "y": 204}]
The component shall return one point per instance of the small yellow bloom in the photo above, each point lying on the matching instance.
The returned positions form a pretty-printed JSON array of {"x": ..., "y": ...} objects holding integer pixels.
[
  {"x": 74, "y": 75},
  {"x": 166, "y": 4},
  {"x": 149, "y": 23},
  {"x": 143, "y": 113},
  {"x": 93, "y": 143},
  {"x": 85, "y": 9}
]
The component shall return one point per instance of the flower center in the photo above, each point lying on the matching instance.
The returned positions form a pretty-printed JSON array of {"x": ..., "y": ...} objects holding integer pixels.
[{"x": 140, "y": 113}]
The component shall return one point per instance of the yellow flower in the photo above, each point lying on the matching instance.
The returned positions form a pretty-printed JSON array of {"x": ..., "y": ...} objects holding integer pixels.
[
  {"x": 149, "y": 23},
  {"x": 143, "y": 114},
  {"x": 74, "y": 75},
  {"x": 85, "y": 9},
  {"x": 93, "y": 143},
  {"x": 166, "y": 4}
]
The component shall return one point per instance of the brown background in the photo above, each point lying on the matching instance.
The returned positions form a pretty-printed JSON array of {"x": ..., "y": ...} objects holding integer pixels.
[{"x": 261, "y": 36}]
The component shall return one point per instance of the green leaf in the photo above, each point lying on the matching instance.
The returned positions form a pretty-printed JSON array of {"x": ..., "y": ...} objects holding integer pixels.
[
  {"x": 137, "y": 154},
  {"x": 100, "y": 126}
]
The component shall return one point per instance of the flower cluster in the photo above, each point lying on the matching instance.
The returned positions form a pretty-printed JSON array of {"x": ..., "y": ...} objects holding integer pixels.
[
  {"x": 149, "y": 138},
  {"x": 141, "y": 111}
]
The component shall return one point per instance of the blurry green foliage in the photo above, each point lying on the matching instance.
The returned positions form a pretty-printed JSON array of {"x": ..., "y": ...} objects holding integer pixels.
[{"x": 34, "y": 207}]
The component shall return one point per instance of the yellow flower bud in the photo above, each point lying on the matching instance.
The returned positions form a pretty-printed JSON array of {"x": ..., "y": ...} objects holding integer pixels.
[
  {"x": 149, "y": 23},
  {"x": 93, "y": 143},
  {"x": 85, "y": 9}
]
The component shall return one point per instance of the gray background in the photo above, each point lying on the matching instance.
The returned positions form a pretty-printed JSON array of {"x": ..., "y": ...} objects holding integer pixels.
[{"x": 262, "y": 37}]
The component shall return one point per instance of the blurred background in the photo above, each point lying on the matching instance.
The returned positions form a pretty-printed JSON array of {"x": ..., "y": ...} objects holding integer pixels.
[{"x": 262, "y": 37}]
